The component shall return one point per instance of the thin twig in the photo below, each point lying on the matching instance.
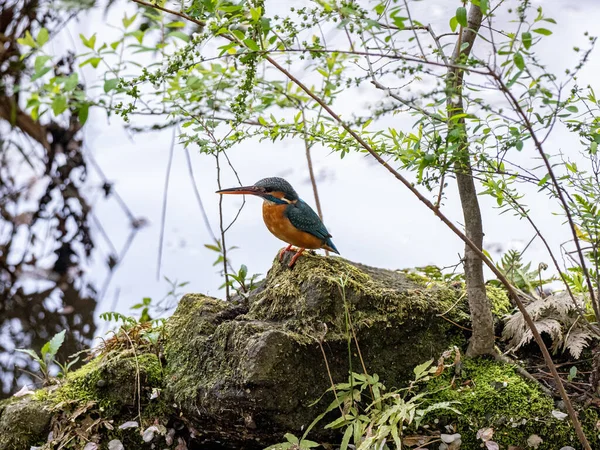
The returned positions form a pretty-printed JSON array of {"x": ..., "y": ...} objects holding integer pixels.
[
  {"x": 223, "y": 244},
  {"x": 197, "y": 194},
  {"x": 412, "y": 25},
  {"x": 163, "y": 217}
]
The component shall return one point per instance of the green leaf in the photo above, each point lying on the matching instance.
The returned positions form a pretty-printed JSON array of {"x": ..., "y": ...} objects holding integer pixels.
[
  {"x": 526, "y": 38},
  {"x": 178, "y": 24},
  {"x": 82, "y": 113},
  {"x": 59, "y": 105},
  {"x": 543, "y": 31},
  {"x": 519, "y": 61},
  {"x": 51, "y": 347},
  {"x": 346, "y": 438},
  {"x": 453, "y": 23},
  {"x": 213, "y": 247},
  {"x": 94, "y": 61},
  {"x": 71, "y": 81},
  {"x": 572, "y": 109},
  {"x": 239, "y": 34},
  {"x": 89, "y": 43},
  {"x": 42, "y": 37},
  {"x": 31, "y": 353},
  {"x": 40, "y": 61},
  {"x": 399, "y": 22},
  {"x": 127, "y": 21},
  {"x": 27, "y": 40},
  {"x": 572, "y": 373},
  {"x": 41, "y": 73},
  {"x": 544, "y": 180},
  {"x": 483, "y": 5},
  {"x": 519, "y": 145},
  {"x": 421, "y": 368},
  {"x": 461, "y": 16},
  {"x": 179, "y": 34},
  {"x": 251, "y": 44},
  {"x": 256, "y": 14},
  {"x": 243, "y": 272},
  {"x": 291, "y": 438}
]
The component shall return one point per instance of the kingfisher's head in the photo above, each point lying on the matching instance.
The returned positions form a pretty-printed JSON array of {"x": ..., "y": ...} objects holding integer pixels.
[{"x": 273, "y": 189}]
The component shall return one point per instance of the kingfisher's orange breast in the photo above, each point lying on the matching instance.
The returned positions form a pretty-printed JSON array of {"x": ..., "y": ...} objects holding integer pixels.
[{"x": 278, "y": 224}]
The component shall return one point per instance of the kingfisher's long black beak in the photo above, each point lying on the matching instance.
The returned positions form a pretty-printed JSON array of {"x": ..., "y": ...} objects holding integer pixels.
[{"x": 245, "y": 190}]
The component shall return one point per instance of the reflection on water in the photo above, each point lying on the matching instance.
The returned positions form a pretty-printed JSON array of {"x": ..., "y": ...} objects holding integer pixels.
[
  {"x": 30, "y": 320},
  {"x": 45, "y": 243}
]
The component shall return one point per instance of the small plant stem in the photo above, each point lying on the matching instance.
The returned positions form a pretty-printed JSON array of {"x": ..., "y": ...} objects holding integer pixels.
[{"x": 222, "y": 229}]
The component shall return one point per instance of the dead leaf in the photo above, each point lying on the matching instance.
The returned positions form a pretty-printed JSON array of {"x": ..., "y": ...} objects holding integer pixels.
[
  {"x": 23, "y": 392},
  {"x": 417, "y": 440},
  {"x": 559, "y": 415}
]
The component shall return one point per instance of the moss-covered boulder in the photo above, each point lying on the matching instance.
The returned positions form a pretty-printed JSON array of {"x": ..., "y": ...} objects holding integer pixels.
[{"x": 251, "y": 374}]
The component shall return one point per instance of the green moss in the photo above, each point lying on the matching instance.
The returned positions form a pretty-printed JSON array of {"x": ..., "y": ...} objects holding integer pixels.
[
  {"x": 188, "y": 330},
  {"x": 306, "y": 296},
  {"x": 111, "y": 381},
  {"x": 492, "y": 394},
  {"x": 501, "y": 304}
]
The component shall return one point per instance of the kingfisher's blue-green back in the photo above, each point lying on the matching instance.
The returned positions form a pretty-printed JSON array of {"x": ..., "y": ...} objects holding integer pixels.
[{"x": 303, "y": 217}]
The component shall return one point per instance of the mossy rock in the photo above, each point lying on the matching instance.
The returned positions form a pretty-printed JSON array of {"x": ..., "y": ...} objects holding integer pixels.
[
  {"x": 492, "y": 394},
  {"x": 22, "y": 422},
  {"x": 252, "y": 374},
  {"x": 106, "y": 387}
]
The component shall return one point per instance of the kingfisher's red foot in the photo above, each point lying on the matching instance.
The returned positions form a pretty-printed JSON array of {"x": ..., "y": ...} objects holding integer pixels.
[
  {"x": 295, "y": 257},
  {"x": 283, "y": 252}
]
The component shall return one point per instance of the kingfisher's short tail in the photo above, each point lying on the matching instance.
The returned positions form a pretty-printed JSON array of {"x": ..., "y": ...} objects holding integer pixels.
[{"x": 328, "y": 245}]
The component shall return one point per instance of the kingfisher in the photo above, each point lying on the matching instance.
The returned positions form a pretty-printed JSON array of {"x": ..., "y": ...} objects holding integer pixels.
[{"x": 288, "y": 217}]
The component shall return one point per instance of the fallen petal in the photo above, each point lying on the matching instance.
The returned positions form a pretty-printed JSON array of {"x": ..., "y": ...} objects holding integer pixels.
[
  {"x": 115, "y": 444},
  {"x": 559, "y": 414},
  {"x": 130, "y": 424}
]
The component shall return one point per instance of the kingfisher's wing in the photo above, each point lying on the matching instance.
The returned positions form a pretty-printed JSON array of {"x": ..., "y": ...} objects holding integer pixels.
[{"x": 304, "y": 218}]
